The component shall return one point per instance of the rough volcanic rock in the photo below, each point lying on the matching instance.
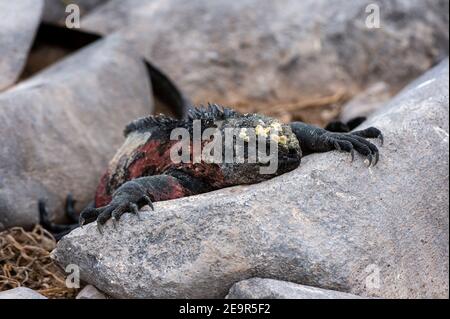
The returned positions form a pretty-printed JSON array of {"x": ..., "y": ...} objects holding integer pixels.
[
  {"x": 262, "y": 288},
  {"x": 60, "y": 128},
  {"x": 381, "y": 231},
  {"x": 18, "y": 24},
  {"x": 276, "y": 55},
  {"x": 21, "y": 293}
]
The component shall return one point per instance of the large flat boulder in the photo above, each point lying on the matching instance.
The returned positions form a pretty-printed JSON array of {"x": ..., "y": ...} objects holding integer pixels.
[
  {"x": 263, "y": 288},
  {"x": 60, "y": 128},
  {"x": 275, "y": 56},
  {"x": 380, "y": 231},
  {"x": 19, "y": 21}
]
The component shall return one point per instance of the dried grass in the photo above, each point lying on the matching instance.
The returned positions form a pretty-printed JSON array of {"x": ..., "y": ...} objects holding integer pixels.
[{"x": 25, "y": 262}]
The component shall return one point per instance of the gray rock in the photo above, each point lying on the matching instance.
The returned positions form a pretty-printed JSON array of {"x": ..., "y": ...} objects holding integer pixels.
[
  {"x": 18, "y": 24},
  {"x": 21, "y": 293},
  {"x": 90, "y": 292},
  {"x": 331, "y": 224},
  {"x": 262, "y": 288},
  {"x": 257, "y": 54},
  {"x": 60, "y": 128},
  {"x": 366, "y": 102},
  {"x": 115, "y": 15}
]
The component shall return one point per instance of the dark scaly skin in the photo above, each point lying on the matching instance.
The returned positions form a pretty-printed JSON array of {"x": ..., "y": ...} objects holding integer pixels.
[
  {"x": 140, "y": 176},
  {"x": 142, "y": 172},
  {"x": 316, "y": 140}
]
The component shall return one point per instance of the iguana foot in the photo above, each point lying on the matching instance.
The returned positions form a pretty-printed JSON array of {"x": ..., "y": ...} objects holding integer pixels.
[
  {"x": 315, "y": 140},
  {"x": 137, "y": 193},
  {"x": 371, "y": 132},
  {"x": 129, "y": 198},
  {"x": 355, "y": 141}
]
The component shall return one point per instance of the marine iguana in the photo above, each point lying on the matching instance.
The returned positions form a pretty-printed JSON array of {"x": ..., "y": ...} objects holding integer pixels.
[{"x": 143, "y": 172}]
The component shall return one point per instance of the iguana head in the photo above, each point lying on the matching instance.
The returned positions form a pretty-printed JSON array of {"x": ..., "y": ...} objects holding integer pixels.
[{"x": 254, "y": 147}]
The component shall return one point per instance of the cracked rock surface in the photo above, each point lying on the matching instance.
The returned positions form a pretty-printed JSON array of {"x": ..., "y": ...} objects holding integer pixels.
[
  {"x": 60, "y": 128},
  {"x": 330, "y": 224}
]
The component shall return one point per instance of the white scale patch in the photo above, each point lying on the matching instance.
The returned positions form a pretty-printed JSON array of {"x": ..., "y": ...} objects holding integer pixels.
[{"x": 133, "y": 142}]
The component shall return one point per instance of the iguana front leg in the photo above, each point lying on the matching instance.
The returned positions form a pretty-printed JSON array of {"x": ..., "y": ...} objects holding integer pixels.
[
  {"x": 134, "y": 194},
  {"x": 341, "y": 127},
  {"x": 316, "y": 140}
]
